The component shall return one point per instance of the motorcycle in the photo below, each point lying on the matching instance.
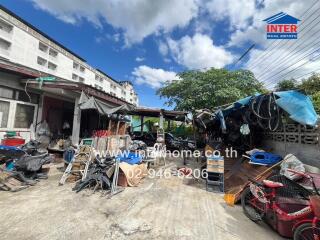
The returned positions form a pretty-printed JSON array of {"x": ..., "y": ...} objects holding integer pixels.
[{"x": 290, "y": 209}]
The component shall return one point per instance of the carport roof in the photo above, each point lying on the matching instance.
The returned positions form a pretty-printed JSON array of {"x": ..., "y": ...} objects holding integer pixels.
[{"x": 157, "y": 112}]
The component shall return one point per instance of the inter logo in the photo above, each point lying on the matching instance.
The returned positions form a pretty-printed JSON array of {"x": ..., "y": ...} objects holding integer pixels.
[{"x": 282, "y": 26}]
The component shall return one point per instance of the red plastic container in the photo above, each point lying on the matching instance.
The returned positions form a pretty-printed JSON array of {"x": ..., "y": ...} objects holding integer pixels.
[{"x": 13, "y": 141}]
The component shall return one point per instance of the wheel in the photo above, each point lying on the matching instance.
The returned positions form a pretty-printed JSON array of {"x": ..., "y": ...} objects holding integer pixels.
[
  {"x": 249, "y": 210},
  {"x": 306, "y": 232}
]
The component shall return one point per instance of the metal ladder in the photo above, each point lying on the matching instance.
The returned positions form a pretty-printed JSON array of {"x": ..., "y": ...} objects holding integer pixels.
[{"x": 88, "y": 155}]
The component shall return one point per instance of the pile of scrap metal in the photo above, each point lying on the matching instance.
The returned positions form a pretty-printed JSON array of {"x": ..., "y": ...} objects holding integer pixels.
[
  {"x": 104, "y": 174},
  {"x": 22, "y": 166},
  {"x": 110, "y": 174},
  {"x": 98, "y": 176},
  {"x": 241, "y": 126},
  {"x": 242, "y": 123}
]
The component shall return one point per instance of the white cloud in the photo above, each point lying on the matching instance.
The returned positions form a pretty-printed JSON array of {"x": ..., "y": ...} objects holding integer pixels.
[
  {"x": 154, "y": 77},
  {"x": 255, "y": 31},
  {"x": 139, "y": 59},
  {"x": 163, "y": 48},
  {"x": 271, "y": 60},
  {"x": 237, "y": 12},
  {"x": 137, "y": 18},
  {"x": 199, "y": 52}
]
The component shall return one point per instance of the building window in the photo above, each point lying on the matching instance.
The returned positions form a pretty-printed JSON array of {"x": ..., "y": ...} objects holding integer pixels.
[
  {"x": 97, "y": 77},
  {"x": 82, "y": 69},
  {"x": 41, "y": 61},
  {"x": 5, "y": 27},
  {"x": 24, "y": 116},
  {"x": 75, "y": 65},
  {"x": 101, "y": 79},
  {"x": 43, "y": 47},
  {"x": 4, "y": 44},
  {"x": 74, "y": 76},
  {"x": 4, "y": 113},
  {"x": 6, "y": 93},
  {"x": 22, "y": 96},
  {"x": 81, "y": 79},
  {"x": 53, "y": 53},
  {"x": 52, "y": 66}
]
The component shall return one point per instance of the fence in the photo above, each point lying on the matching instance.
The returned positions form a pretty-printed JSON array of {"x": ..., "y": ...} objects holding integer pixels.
[{"x": 295, "y": 133}]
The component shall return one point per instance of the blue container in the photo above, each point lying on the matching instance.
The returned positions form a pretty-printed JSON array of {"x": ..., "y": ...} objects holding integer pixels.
[
  {"x": 68, "y": 155},
  {"x": 9, "y": 166},
  {"x": 131, "y": 158},
  {"x": 265, "y": 158}
]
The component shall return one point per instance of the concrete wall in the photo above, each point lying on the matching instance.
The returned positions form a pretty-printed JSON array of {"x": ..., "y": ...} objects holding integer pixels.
[
  {"x": 308, "y": 154},
  {"x": 24, "y": 49},
  {"x": 302, "y": 141}
]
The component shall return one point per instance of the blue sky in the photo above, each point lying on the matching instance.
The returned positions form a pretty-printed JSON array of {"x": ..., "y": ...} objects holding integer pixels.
[{"x": 148, "y": 42}]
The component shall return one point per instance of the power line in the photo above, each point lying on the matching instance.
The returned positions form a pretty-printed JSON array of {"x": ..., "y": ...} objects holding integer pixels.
[
  {"x": 314, "y": 71},
  {"x": 278, "y": 59},
  {"x": 286, "y": 40},
  {"x": 256, "y": 63},
  {"x": 273, "y": 81},
  {"x": 245, "y": 53},
  {"x": 289, "y": 56},
  {"x": 305, "y": 74}
]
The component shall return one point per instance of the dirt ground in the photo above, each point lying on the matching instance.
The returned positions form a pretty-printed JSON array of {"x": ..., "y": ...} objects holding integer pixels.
[{"x": 159, "y": 208}]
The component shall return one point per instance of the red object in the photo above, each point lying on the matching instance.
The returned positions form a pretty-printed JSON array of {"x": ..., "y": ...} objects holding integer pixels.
[
  {"x": 272, "y": 184},
  {"x": 284, "y": 214},
  {"x": 101, "y": 133},
  {"x": 13, "y": 141}
]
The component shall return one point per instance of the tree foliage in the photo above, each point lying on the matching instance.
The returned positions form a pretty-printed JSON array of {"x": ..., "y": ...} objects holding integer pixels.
[
  {"x": 311, "y": 86},
  {"x": 214, "y": 87},
  {"x": 287, "y": 84}
]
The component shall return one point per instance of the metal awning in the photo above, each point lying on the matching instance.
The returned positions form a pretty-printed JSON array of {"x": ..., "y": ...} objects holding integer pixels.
[
  {"x": 103, "y": 108},
  {"x": 156, "y": 112}
]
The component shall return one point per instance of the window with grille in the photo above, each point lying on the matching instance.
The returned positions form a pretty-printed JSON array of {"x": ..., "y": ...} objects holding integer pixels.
[
  {"x": 52, "y": 66},
  {"x": 41, "y": 61},
  {"x": 4, "y": 113},
  {"x": 43, "y": 47},
  {"x": 23, "y": 116}
]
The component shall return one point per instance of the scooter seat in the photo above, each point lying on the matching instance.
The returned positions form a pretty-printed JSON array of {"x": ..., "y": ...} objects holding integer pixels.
[{"x": 272, "y": 184}]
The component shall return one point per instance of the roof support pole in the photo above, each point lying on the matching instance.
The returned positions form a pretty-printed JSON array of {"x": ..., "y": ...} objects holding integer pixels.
[
  {"x": 141, "y": 124},
  {"x": 161, "y": 119},
  {"x": 76, "y": 122},
  {"x": 118, "y": 124}
]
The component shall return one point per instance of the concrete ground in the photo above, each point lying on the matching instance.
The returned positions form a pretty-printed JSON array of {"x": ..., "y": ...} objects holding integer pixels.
[{"x": 159, "y": 208}]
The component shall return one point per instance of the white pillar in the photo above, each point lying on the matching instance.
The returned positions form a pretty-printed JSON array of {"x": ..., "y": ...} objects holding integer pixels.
[
  {"x": 161, "y": 120},
  {"x": 40, "y": 109},
  {"x": 76, "y": 122}
]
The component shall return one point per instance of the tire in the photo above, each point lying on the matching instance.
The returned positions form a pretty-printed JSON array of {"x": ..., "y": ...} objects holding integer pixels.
[
  {"x": 253, "y": 214},
  {"x": 305, "y": 231}
]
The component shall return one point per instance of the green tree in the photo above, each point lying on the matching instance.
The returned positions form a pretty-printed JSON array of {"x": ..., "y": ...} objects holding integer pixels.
[
  {"x": 311, "y": 86},
  {"x": 214, "y": 87},
  {"x": 286, "y": 84},
  {"x": 316, "y": 101}
]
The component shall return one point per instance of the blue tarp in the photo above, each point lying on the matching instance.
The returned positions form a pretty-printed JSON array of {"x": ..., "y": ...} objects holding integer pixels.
[
  {"x": 220, "y": 116},
  {"x": 131, "y": 158},
  {"x": 299, "y": 107},
  {"x": 238, "y": 104}
]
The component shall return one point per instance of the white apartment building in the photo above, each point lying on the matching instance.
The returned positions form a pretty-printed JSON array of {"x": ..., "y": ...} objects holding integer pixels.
[{"x": 21, "y": 43}]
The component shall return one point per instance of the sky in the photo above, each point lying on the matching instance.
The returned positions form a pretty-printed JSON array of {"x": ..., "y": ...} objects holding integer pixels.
[{"x": 148, "y": 41}]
